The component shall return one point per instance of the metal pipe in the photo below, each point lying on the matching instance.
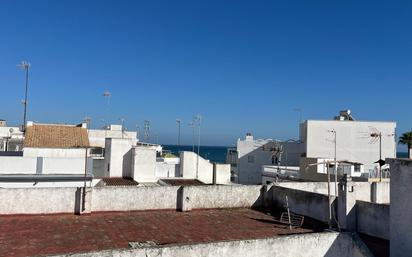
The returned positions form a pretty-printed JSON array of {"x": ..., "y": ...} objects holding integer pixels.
[{"x": 84, "y": 185}]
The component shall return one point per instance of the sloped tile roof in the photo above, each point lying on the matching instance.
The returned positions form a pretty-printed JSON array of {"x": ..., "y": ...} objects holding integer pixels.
[
  {"x": 56, "y": 136},
  {"x": 117, "y": 182},
  {"x": 182, "y": 182}
]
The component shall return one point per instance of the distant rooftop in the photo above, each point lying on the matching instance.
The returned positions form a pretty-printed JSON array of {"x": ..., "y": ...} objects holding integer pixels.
[
  {"x": 181, "y": 182},
  {"x": 117, "y": 182},
  {"x": 56, "y": 136}
]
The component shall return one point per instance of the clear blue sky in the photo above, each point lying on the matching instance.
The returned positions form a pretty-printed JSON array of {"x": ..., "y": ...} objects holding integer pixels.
[{"x": 243, "y": 65}]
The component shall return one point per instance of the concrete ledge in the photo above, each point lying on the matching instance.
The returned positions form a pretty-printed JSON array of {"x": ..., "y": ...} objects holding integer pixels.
[{"x": 315, "y": 245}]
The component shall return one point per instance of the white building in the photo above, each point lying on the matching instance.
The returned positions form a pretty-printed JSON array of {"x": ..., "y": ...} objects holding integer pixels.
[
  {"x": 354, "y": 142},
  {"x": 11, "y": 138},
  {"x": 252, "y": 154},
  {"x": 53, "y": 155},
  {"x": 357, "y": 142}
]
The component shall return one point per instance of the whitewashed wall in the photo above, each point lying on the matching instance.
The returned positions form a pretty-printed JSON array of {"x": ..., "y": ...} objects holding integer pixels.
[
  {"x": 188, "y": 168},
  {"x": 54, "y": 152},
  {"x": 144, "y": 164},
  {"x": 353, "y": 140},
  {"x": 44, "y": 165}
]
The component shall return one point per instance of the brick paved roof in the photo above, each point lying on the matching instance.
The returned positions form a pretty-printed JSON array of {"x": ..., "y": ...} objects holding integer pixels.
[
  {"x": 61, "y": 234},
  {"x": 56, "y": 136}
]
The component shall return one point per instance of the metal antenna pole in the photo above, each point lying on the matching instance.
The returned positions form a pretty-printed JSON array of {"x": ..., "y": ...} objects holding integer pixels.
[
  {"x": 178, "y": 131},
  {"x": 107, "y": 95},
  {"x": 192, "y": 125},
  {"x": 336, "y": 164},
  {"x": 137, "y": 132},
  {"x": 198, "y": 119},
  {"x": 146, "y": 130},
  {"x": 380, "y": 156},
  {"x": 25, "y": 66},
  {"x": 329, "y": 198}
]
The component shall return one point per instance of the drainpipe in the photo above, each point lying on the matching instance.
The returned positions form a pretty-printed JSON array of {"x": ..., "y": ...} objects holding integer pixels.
[{"x": 84, "y": 185}]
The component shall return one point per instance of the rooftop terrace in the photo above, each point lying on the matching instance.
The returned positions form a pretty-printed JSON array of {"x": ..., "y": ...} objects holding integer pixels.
[{"x": 32, "y": 235}]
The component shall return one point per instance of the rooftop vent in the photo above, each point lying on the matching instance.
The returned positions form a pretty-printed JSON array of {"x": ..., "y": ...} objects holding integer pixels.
[{"x": 345, "y": 115}]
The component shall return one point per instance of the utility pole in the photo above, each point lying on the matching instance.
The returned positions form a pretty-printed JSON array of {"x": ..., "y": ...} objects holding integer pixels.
[
  {"x": 25, "y": 66},
  {"x": 178, "y": 121},
  {"x": 299, "y": 110},
  {"x": 379, "y": 136},
  {"x": 192, "y": 125},
  {"x": 107, "y": 95},
  {"x": 197, "y": 121},
  {"x": 137, "y": 132},
  {"x": 146, "y": 131}
]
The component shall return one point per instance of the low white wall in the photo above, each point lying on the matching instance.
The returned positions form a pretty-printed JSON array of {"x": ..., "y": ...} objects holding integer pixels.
[
  {"x": 373, "y": 219},
  {"x": 223, "y": 196},
  {"x": 129, "y": 198},
  {"x": 66, "y": 165},
  {"x": 314, "y": 187},
  {"x": 54, "y": 152},
  {"x": 310, "y": 204},
  {"x": 17, "y": 165},
  {"x": 328, "y": 244},
  {"x": 39, "y": 200},
  {"x": 364, "y": 191},
  {"x": 188, "y": 169},
  {"x": 44, "y": 165},
  {"x": 134, "y": 198}
]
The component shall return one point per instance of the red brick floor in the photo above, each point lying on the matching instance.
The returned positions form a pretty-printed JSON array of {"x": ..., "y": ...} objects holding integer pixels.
[{"x": 57, "y": 234}]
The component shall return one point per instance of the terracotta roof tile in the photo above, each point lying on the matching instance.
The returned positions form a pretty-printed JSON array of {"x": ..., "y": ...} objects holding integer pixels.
[
  {"x": 56, "y": 136},
  {"x": 182, "y": 182}
]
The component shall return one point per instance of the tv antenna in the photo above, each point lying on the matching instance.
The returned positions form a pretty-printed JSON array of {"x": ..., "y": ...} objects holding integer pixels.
[
  {"x": 25, "y": 65},
  {"x": 146, "y": 132},
  {"x": 376, "y": 136},
  {"x": 178, "y": 121}
]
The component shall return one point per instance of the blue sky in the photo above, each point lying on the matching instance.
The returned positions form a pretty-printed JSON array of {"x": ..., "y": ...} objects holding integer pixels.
[{"x": 243, "y": 65}]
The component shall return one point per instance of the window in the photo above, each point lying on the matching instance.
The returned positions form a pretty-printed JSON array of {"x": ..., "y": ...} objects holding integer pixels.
[{"x": 250, "y": 158}]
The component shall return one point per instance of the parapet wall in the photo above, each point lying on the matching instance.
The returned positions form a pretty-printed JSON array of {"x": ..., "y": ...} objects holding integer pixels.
[
  {"x": 365, "y": 191},
  {"x": 134, "y": 198},
  {"x": 43, "y": 200},
  {"x": 373, "y": 219},
  {"x": 313, "y": 244},
  {"x": 310, "y": 204},
  {"x": 212, "y": 197},
  {"x": 67, "y": 199}
]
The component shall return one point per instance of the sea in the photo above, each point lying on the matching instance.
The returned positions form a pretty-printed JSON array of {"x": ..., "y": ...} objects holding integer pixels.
[
  {"x": 213, "y": 153},
  {"x": 218, "y": 153}
]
